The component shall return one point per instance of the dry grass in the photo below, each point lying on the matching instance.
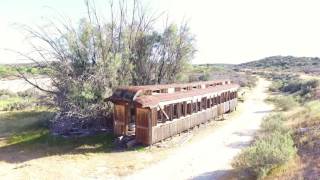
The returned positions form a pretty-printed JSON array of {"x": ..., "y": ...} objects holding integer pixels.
[
  {"x": 304, "y": 122},
  {"x": 290, "y": 170}
]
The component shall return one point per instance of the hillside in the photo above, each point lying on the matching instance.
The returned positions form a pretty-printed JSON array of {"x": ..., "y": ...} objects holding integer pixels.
[{"x": 285, "y": 63}]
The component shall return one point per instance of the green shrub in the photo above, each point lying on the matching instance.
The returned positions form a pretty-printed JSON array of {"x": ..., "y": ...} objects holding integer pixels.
[
  {"x": 6, "y": 71},
  {"x": 266, "y": 153},
  {"x": 274, "y": 122},
  {"x": 273, "y": 148},
  {"x": 313, "y": 108},
  {"x": 275, "y": 86},
  {"x": 285, "y": 102},
  {"x": 303, "y": 88},
  {"x": 292, "y": 86}
]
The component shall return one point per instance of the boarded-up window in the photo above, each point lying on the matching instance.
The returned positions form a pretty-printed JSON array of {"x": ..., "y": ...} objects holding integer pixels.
[
  {"x": 203, "y": 103},
  {"x": 194, "y": 107},
  {"x": 175, "y": 111},
  {"x": 159, "y": 115},
  {"x": 183, "y": 110},
  {"x": 189, "y": 108}
]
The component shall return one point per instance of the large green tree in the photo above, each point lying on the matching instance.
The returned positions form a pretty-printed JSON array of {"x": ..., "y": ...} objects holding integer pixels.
[{"x": 88, "y": 61}]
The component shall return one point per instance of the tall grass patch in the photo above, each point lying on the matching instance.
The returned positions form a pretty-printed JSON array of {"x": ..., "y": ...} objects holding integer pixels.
[
  {"x": 19, "y": 121},
  {"x": 10, "y": 101}
]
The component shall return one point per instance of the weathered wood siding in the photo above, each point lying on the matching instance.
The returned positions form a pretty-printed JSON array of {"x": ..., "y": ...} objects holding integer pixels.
[
  {"x": 120, "y": 125},
  {"x": 233, "y": 104},
  {"x": 143, "y": 125},
  {"x": 220, "y": 109},
  {"x": 171, "y": 128}
]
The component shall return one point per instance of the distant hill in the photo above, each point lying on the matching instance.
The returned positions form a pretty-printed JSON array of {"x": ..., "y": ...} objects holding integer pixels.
[{"x": 284, "y": 63}]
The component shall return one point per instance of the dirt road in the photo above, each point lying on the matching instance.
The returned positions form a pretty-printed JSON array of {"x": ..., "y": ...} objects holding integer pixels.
[{"x": 210, "y": 157}]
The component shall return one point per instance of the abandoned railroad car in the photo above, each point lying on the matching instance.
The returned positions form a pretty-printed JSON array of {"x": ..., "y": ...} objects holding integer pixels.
[{"x": 155, "y": 112}]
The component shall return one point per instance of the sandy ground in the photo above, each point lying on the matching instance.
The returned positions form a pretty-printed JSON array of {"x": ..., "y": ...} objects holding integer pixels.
[
  {"x": 18, "y": 85},
  {"x": 210, "y": 157}
]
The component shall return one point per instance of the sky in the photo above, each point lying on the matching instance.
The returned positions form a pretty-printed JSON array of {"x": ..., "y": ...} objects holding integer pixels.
[{"x": 227, "y": 31}]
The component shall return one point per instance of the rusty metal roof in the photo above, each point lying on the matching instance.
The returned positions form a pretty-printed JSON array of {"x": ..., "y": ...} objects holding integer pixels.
[
  {"x": 165, "y": 86},
  {"x": 130, "y": 93},
  {"x": 154, "y": 100}
]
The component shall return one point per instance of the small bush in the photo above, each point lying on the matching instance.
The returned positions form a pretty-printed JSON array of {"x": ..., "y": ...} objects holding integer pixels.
[
  {"x": 303, "y": 88},
  {"x": 273, "y": 148},
  {"x": 292, "y": 86},
  {"x": 266, "y": 153},
  {"x": 275, "y": 86},
  {"x": 285, "y": 102},
  {"x": 313, "y": 110},
  {"x": 274, "y": 123}
]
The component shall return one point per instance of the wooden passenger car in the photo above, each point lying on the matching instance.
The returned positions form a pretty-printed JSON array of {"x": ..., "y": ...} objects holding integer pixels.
[{"x": 155, "y": 112}]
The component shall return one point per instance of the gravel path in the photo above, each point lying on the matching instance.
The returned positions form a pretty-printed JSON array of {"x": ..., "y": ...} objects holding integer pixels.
[{"x": 210, "y": 158}]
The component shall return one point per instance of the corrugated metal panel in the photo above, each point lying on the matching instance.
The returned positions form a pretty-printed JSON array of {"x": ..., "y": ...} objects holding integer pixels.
[{"x": 176, "y": 85}]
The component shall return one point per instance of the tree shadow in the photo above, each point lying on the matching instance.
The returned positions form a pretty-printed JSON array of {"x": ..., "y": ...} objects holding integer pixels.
[
  {"x": 44, "y": 144},
  {"x": 246, "y": 133},
  {"x": 239, "y": 145},
  {"x": 212, "y": 175},
  {"x": 230, "y": 174},
  {"x": 263, "y": 112},
  {"x": 24, "y": 136}
]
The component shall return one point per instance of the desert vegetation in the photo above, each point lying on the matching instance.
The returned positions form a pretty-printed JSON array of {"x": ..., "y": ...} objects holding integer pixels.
[
  {"x": 205, "y": 72},
  {"x": 13, "y": 71},
  {"x": 273, "y": 147},
  {"x": 286, "y": 137},
  {"x": 87, "y": 61},
  {"x": 63, "y": 126},
  {"x": 289, "y": 64}
]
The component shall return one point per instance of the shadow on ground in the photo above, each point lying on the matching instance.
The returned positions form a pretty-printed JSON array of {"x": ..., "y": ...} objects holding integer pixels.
[
  {"x": 43, "y": 145},
  {"x": 212, "y": 175},
  {"x": 239, "y": 145},
  {"x": 245, "y": 133},
  {"x": 263, "y": 112},
  {"x": 24, "y": 136},
  {"x": 230, "y": 174}
]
